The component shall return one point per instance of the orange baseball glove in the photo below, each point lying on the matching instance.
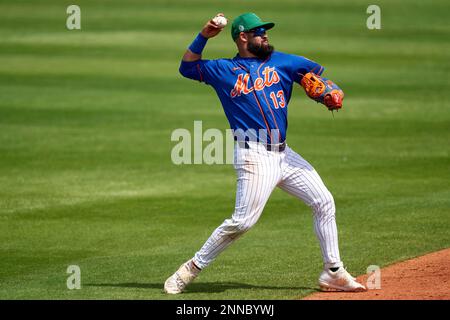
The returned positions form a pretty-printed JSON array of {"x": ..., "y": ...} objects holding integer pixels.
[{"x": 323, "y": 90}]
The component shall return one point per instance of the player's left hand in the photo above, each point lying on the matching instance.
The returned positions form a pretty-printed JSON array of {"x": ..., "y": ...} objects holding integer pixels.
[{"x": 322, "y": 90}]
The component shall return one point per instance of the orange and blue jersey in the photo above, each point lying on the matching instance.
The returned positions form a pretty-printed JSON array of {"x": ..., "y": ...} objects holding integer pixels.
[{"x": 254, "y": 93}]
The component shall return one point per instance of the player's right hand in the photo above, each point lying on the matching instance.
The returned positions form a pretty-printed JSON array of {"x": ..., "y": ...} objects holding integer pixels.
[{"x": 211, "y": 29}]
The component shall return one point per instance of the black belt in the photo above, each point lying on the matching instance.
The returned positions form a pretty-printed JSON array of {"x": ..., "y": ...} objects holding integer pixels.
[{"x": 280, "y": 147}]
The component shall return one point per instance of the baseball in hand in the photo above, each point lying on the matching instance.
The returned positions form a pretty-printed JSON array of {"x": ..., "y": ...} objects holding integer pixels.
[{"x": 220, "y": 21}]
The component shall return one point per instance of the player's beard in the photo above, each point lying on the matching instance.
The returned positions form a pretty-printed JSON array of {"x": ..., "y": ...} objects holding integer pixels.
[{"x": 261, "y": 50}]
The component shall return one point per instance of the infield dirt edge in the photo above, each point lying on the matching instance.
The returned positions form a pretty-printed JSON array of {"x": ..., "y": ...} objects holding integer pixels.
[{"x": 425, "y": 277}]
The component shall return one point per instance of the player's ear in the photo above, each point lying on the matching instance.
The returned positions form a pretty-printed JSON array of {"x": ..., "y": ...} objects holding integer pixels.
[{"x": 243, "y": 37}]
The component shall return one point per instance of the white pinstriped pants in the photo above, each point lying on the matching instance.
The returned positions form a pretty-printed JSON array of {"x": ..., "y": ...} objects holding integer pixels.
[{"x": 258, "y": 173}]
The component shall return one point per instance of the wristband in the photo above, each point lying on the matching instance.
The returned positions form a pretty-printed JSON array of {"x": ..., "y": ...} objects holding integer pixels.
[{"x": 198, "y": 44}]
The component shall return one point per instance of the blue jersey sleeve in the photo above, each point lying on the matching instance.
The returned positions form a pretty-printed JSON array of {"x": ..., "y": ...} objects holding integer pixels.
[
  {"x": 202, "y": 70},
  {"x": 301, "y": 65}
]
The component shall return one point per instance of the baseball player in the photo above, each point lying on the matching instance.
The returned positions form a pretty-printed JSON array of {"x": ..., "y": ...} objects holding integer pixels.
[{"x": 254, "y": 88}]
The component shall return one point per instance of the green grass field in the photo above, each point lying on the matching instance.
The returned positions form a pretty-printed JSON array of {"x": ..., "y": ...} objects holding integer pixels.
[{"x": 86, "y": 176}]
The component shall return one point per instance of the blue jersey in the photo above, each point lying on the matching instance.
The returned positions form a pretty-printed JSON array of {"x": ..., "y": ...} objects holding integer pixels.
[{"x": 254, "y": 93}]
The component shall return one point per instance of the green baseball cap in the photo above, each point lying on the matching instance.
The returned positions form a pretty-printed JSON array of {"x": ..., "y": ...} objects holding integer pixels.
[{"x": 246, "y": 22}]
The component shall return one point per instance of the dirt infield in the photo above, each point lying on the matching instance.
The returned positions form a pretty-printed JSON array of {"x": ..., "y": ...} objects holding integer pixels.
[{"x": 422, "y": 278}]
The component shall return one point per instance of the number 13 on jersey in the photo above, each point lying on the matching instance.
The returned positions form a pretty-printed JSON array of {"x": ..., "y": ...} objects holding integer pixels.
[{"x": 278, "y": 99}]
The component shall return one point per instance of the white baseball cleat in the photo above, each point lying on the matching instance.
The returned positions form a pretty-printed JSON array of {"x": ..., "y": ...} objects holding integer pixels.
[
  {"x": 179, "y": 280},
  {"x": 340, "y": 280}
]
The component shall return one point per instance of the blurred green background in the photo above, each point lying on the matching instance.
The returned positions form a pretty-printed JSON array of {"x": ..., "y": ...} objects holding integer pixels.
[{"x": 86, "y": 176}]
